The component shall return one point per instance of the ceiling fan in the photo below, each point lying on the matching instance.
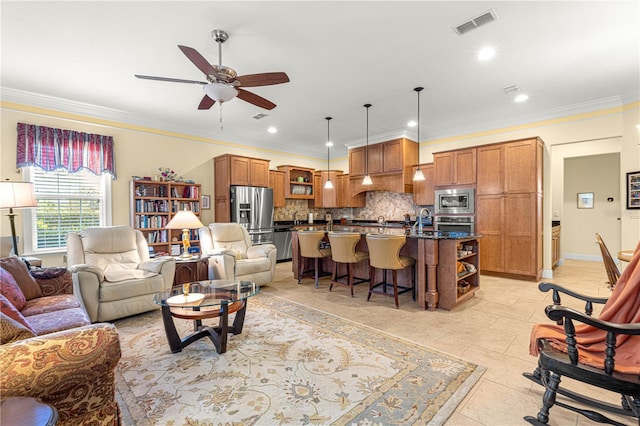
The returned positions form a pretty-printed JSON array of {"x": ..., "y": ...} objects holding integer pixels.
[{"x": 223, "y": 83}]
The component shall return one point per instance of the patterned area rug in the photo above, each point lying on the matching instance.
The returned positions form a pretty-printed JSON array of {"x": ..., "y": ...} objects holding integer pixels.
[{"x": 292, "y": 365}]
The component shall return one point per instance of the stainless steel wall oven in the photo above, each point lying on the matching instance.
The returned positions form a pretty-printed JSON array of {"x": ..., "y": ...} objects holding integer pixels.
[{"x": 464, "y": 224}]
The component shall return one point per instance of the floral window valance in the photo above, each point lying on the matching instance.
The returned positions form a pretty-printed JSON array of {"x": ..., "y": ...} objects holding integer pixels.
[{"x": 52, "y": 149}]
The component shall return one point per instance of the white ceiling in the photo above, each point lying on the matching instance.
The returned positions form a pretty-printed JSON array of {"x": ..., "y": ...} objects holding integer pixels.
[{"x": 568, "y": 56}]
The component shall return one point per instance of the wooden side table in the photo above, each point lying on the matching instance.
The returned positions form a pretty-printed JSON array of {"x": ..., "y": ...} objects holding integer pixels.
[
  {"x": 27, "y": 411},
  {"x": 191, "y": 270}
]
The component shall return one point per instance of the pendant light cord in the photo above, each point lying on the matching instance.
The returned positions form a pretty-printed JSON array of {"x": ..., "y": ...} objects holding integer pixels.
[{"x": 366, "y": 151}]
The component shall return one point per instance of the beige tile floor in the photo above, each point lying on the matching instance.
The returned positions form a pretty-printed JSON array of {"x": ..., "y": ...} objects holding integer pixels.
[{"x": 491, "y": 330}]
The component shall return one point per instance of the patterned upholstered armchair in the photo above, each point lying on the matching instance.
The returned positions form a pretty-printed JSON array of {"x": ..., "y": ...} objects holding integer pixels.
[{"x": 73, "y": 370}]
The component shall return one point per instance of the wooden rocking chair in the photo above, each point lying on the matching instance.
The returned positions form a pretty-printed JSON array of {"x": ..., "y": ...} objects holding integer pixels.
[
  {"x": 554, "y": 363},
  {"x": 613, "y": 273},
  {"x": 587, "y": 351}
]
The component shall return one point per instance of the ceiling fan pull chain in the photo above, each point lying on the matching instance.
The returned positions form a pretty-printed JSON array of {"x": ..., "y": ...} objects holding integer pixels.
[{"x": 221, "y": 126}]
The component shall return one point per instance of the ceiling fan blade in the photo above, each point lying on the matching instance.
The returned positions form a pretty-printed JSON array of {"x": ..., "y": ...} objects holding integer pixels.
[
  {"x": 252, "y": 98},
  {"x": 173, "y": 80},
  {"x": 263, "y": 79},
  {"x": 198, "y": 60},
  {"x": 206, "y": 103}
]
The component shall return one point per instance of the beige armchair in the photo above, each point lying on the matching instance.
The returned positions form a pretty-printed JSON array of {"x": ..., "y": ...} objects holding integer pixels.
[
  {"x": 232, "y": 255},
  {"x": 113, "y": 276}
]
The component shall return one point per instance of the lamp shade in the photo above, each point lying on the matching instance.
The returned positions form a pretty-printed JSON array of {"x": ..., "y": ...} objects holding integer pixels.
[
  {"x": 16, "y": 194},
  {"x": 184, "y": 219},
  {"x": 220, "y": 92}
]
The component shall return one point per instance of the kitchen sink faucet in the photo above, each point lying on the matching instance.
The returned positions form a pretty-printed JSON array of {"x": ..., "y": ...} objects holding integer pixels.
[{"x": 419, "y": 218}]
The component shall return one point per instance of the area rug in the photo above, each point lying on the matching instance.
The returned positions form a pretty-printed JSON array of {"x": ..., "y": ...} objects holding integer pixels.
[{"x": 292, "y": 365}]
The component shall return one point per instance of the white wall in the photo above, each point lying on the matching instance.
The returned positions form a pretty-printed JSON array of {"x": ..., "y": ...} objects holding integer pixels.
[{"x": 598, "y": 174}]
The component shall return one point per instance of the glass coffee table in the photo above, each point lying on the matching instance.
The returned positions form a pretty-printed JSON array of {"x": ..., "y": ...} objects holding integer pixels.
[{"x": 203, "y": 300}]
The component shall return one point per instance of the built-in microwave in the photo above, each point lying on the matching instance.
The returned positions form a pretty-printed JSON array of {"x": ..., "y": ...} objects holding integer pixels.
[{"x": 455, "y": 201}]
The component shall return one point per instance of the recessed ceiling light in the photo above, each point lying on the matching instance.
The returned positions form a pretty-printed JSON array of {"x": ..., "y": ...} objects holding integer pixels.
[
  {"x": 272, "y": 130},
  {"x": 329, "y": 143},
  {"x": 521, "y": 97},
  {"x": 486, "y": 53},
  {"x": 412, "y": 124}
]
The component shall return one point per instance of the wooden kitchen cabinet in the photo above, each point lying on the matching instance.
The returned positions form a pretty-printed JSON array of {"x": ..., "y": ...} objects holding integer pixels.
[
  {"x": 276, "y": 182},
  {"x": 385, "y": 157},
  {"x": 298, "y": 182},
  {"x": 326, "y": 198},
  {"x": 510, "y": 167},
  {"x": 423, "y": 191},
  {"x": 449, "y": 280},
  {"x": 230, "y": 170},
  {"x": 509, "y": 207},
  {"x": 455, "y": 167},
  {"x": 345, "y": 199},
  {"x": 389, "y": 165}
]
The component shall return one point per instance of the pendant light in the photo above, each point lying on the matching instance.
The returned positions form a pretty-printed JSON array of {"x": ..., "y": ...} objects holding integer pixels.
[
  {"x": 418, "y": 175},
  {"x": 367, "y": 178},
  {"x": 328, "y": 184}
]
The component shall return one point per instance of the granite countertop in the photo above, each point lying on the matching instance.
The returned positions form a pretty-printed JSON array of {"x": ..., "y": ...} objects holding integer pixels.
[{"x": 384, "y": 230}]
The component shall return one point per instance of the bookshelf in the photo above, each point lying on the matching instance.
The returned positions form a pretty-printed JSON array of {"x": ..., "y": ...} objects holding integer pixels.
[{"x": 153, "y": 204}]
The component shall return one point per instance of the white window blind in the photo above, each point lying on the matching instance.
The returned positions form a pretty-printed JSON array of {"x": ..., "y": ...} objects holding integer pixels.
[{"x": 67, "y": 202}]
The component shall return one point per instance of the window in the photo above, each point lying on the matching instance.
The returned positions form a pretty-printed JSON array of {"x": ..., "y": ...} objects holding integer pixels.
[{"x": 67, "y": 202}]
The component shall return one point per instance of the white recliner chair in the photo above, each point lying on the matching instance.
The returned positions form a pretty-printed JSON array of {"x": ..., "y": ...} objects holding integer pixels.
[
  {"x": 113, "y": 276},
  {"x": 233, "y": 256}
]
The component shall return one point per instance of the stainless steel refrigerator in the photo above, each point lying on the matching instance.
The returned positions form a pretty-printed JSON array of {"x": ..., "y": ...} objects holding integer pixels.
[{"x": 252, "y": 207}]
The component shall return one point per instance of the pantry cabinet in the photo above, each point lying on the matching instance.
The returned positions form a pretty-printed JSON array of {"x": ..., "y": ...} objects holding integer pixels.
[
  {"x": 455, "y": 167},
  {"x": 509, "y": 207}
]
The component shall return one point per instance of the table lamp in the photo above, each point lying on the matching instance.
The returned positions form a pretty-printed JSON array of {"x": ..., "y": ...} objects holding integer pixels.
[
  {"x": 185, "y": 220},
  {"x": 16, "y": 195}
]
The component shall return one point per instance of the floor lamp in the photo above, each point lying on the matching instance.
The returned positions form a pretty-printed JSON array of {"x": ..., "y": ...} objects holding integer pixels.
[{"x": 15, "y": 195}]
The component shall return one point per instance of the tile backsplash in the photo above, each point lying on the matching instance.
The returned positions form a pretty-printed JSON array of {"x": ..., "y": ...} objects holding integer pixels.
[{"x": 391, "y": 205}]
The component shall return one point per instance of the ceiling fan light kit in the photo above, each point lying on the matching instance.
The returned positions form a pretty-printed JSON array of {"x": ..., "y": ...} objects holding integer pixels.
[{"x": 220, "y": 92}]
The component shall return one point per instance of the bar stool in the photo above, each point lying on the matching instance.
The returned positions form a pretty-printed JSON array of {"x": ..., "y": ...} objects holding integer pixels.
[
  {"x": 309, "y": 244},
  {"x": 343, "y": 250},
  {"x": 384, "y": 253}
]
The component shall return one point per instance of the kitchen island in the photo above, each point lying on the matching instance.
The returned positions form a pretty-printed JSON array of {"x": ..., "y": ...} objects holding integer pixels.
[{"x": 439, "y": 282}]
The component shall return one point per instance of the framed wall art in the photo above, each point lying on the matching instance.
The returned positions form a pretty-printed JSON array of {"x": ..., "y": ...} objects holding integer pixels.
[
  {"x": 633, "y": 190},
  {"x": 206, "y": 202},
  {"x": 585, "y": 200}
]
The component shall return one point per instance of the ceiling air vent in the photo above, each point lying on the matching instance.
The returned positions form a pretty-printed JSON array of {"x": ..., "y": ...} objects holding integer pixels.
[
  {"x": 511, "y": 89},
  {"x": 476, "y": 22},
  {"x": 259, "y": 116}
]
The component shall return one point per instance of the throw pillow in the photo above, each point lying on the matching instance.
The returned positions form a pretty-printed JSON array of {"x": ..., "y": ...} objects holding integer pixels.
[
  {"x": 11, "y": 330},
  {"x": 9, "y": 310},
  {"x": 16, "y": 267},
  {"x": 10, "y": 289}
]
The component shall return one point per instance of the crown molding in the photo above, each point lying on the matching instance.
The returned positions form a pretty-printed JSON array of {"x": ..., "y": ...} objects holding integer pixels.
[
  {"x": 118, "y": 118},
  {"x": 432, "y": 132}
]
